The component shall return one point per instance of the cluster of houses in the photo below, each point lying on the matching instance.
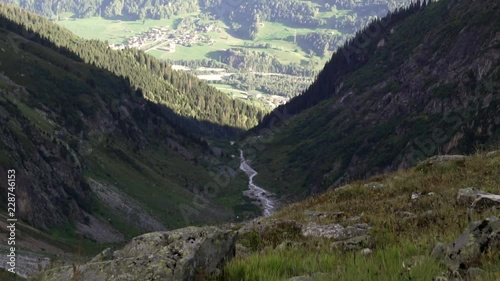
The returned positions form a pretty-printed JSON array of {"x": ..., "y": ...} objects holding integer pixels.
[{"x": 166, "y": 40}]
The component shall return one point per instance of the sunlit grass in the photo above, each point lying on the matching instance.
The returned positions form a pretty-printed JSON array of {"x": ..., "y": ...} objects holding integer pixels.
[{"x": 437, "y": 217}]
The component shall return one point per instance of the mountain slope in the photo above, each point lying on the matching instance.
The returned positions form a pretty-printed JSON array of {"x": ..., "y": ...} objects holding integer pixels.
[
  {"x": 193, "y": 104},
  {"x": 385, "y": 228},
  {"x": 420, "y": 82},
  {"x": 93, "y": 155}
]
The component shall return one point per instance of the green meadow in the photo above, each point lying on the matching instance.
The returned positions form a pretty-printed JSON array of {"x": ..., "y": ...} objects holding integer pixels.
[{"x": 278, "y": 35}]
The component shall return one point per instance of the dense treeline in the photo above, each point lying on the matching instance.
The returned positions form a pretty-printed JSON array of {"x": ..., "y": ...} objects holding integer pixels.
[
  {"x": 245, "y": 17},
  {"x": 131, "y": 9},
  {"x": 355, "y": 53},
  {"x": 261, "y": 61},
  {"x": 273, "y": 84},
  {"x": 190, "y": 99},
  {"x": 280, "y": 85},
  {"x": 319, "y": 43}
]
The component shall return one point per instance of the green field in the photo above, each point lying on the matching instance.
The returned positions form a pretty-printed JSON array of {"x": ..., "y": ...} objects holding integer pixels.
[
  {"x": 113, "y": 31},
  {"x": 228, "y": 89},
  {"x": 278, "y": 35}
]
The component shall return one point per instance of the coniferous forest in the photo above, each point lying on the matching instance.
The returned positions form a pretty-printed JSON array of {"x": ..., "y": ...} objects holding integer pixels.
[{"x": 189, "y": 99}]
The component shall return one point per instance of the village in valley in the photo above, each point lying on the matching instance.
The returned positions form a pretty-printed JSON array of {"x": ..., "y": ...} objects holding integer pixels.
[{"x": 189, "y": 33}]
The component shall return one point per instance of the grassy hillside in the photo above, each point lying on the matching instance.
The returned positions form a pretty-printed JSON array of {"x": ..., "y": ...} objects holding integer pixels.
[
  {"x": 404, "y": 230},
  {"x": 66, "y": 124},
  {"x": 426, "y": 83}
]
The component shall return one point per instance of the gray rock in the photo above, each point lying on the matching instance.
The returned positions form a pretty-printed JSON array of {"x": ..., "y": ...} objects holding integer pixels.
[
  {"x": 312, "y": 215},
  {"x": 440, "y": 278},
  {"x": 301, "y": 278},
  {"x": 242, "y": 251},
  {"x": 413, "y": 262},
  {"x": 354, "y": 219},
  {"x": 405, "y": 214},
  {"x": 310, "y": 277},
  {"x": 467, "y": 249},
  {"x": 439, "y": 251},
  {"x": 493, "y": 153},
  {"x": 261, "y": 225},
  {"x": 474, "y": 272},
  {"x": 366, "y": 251},
  {"x": 466, "y": 196},
  {"x": 105, "y": 255},
  {"x": 27, "y": 264},
  {"x": 174, "y": 255},
  {"x": 375, "y": 185},
  {"x": 486, "y": 201},
  {"x": 439, "y": 159},
  {"x": 354, "y": 243},
  {"x": 334, "y": 231}
]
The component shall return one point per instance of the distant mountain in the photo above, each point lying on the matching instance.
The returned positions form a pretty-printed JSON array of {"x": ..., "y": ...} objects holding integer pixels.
[
  {"x": 92, "y": 153},
  {"x": 424, "y": 80}
]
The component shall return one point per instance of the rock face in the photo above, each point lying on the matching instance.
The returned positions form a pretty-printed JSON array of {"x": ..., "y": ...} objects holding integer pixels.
[
  {"x": 348, "y": 238},
  {"x": 27, "y": 265},
  {"x": 313, "y": 215},
  {"x": 463, "y": 253},
  {"x": 439, "y": 159},
  {"x": 335, "y": 231},
  {"x": 477, "y": 200},
  {"x": 311, "y": 277},
  {"x": 181, "y": 254},
  {"x": 466, "y": 196}
]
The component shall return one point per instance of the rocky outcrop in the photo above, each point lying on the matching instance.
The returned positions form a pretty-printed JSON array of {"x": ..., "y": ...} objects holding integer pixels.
[
  {"x": 27, "y": 264},
  {"x": 477, "y": 200},
  {"x": 314, "y": 215},
  {"x": 466, "y": 196},
  {"x": 480, "y": 238},
  {"x": 440, "y": 159},
  {"x": 354, "y": 237},
  {"x": 311, "y": 277},
  {"x": 334, "y": 231},
  {"x": 182, "y": 254}
]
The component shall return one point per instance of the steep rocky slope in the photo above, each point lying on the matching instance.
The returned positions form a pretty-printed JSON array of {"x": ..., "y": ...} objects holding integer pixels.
[
  {"x": 93, "y": 156},
  {"x": 420, "y": 82}
]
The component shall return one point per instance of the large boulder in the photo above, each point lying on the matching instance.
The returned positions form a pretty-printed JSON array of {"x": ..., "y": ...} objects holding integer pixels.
[
  {"x": 311, "y": 277},
  {"x": 334, "y": 231},
  {"x": 463, "y": 253},
  {"x": 353, "y": 237},
  {"x": 466, "y": 196},
  {"x": 477, "y": 200},
  {"x": 440, "y": 159},
  {"x": 176, "y": 255},
  {"x": 316, "y": 215}
]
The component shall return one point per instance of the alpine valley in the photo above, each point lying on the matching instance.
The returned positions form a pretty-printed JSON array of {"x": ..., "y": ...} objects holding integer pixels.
[{"x": 250, "y": 140}]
